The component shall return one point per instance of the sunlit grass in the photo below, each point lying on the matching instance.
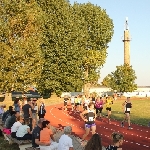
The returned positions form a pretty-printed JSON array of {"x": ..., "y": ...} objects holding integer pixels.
[{"x": 140, "y": 112}]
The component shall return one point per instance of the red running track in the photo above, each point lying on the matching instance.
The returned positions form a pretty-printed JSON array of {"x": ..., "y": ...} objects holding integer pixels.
[{"x": 136, "y": 139}]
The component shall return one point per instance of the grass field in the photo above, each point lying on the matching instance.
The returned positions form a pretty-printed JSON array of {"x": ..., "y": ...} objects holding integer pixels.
[{"x": 140, "y": 112}]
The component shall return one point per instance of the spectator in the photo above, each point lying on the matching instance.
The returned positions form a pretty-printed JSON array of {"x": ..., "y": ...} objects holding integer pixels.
[
  {"x": 16, "y": 126},
  {"x": 8, "y": 118},
  {"x": 7, "y": 113},
  {"x": 13, "y": 119},
  {"x": 94, "y": 143},
  {"x": 1, "y": 110},
  {"x": 17, "y": 105},
  {"x": 46, "y": 136},
  {"x": 36, "y": 135},
  {"x": 117, "y": 140},
  {"x": 24, "y": 132},
  {"x": 27, "y": 110},
  {"x": 34, "y": 112},
  {"x": 42, "y": 110},
  {"x": 65, "y": 142}
]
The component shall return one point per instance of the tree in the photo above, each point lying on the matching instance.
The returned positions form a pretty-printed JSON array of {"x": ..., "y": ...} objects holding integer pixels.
[
  {"x": 20, "y": 39},
  {"x": 62, "y": 70},
  {"x": 122, "y": 79},
  {"x": 98, "y": 31},
  {"x": 75, "y": 44}
]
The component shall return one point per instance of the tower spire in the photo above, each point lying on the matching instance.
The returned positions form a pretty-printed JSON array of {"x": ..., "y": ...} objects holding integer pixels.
[{"x": 126, "y": 41}]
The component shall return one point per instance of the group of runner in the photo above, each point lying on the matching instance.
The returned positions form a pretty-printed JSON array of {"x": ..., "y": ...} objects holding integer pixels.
[{"x": 92, "y": 108}]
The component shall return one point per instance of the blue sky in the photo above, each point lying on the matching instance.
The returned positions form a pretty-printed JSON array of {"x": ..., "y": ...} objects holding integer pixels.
[{"x": 138, "y": 13}]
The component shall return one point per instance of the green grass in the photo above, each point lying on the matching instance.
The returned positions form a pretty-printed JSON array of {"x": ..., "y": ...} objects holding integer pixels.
[{"x": 140, "y": 112}]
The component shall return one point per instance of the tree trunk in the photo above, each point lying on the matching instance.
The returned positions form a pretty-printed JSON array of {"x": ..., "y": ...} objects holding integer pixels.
[{"x": 87, "y": 84}]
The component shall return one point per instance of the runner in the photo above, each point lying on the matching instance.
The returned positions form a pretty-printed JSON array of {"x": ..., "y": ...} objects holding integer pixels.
[
  {"x": 72, "y": 102},
  {"x": 109, "y": 102},
  {"x": 93, "y": 98},
  {"x": 80, "y": 101},
  {"x": 65, "y": 102},
  {"x": 99, "y": 106},
  {"x": 77, "y": 103},
  {"x": 89, "y": 117},
  {"x": 127, "y": 106},
  {"x": 86, "y": 103}
]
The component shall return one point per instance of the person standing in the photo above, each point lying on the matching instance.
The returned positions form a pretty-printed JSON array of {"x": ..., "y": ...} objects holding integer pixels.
[
  {"x": 27, "y": 110},
  {"x": 17, "y": 105},
  {"x": 127, "y": 107},
  {"x": 42, "y": 110},
  {"x": 34, "y": 112}
]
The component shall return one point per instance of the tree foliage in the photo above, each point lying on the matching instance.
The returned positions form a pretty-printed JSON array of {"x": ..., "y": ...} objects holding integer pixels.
[
  {"x": 98, "y": 31},
  {"x": 53, "y": 44},
  {"x": 77, "y": 38},
  {"x": 20, "y": 38},
  {"x": 122, "y": 79}
]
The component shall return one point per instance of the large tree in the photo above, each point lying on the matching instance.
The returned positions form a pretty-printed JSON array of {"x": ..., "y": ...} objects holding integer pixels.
[
  {"x": 98, "y": 31},
  {"x": 76, "y": 39},
  {"x": 122, "y": 79},
  {"x": 20, "y": 39},
  {"x": 62, "y": 69}
]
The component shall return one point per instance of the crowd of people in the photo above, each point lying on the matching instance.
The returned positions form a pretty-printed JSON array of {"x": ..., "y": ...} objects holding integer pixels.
[
  {"x": 92, "y": 109},
  {"x": 85, "y": 103},
  {"x": 25, "y": 121}
]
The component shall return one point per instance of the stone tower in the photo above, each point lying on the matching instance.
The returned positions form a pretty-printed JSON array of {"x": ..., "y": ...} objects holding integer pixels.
[{"x": 126, "y": 41}]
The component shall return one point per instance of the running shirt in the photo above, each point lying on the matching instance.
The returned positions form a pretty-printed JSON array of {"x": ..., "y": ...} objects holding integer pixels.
[
  {"x": 93, "y": 99},
  {"x": 90, "y": 116},
  {"x": 65, "y": 100},
  {"x": 109, "y": 102},
  {"x": 99, "y": 104},
  {"x": 128, "y": 106},
  {"x": 78, "y": 100},
  {"x": 72, "y": 99},
  {"x": 86, "y": 102},
  {"x": 110, "y": 147}
]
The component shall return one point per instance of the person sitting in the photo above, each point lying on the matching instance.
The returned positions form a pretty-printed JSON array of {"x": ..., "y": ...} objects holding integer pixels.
[
  {"x": 6, "y": 124},
  {"x": 46, "y": 136},
  {"x": 23, "y": 132},
  {"x": 95, "y": 143},
  {"x": 6, "y": 114},
  {"x": 36, "y": 135},
  {"x": 117, "y": 140},
  {"x": 12, "y": 119},
  {"x": 16, "y": 126},
  {"x": 65, "y": 142},
  {"x": 2, "y": 110}
]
